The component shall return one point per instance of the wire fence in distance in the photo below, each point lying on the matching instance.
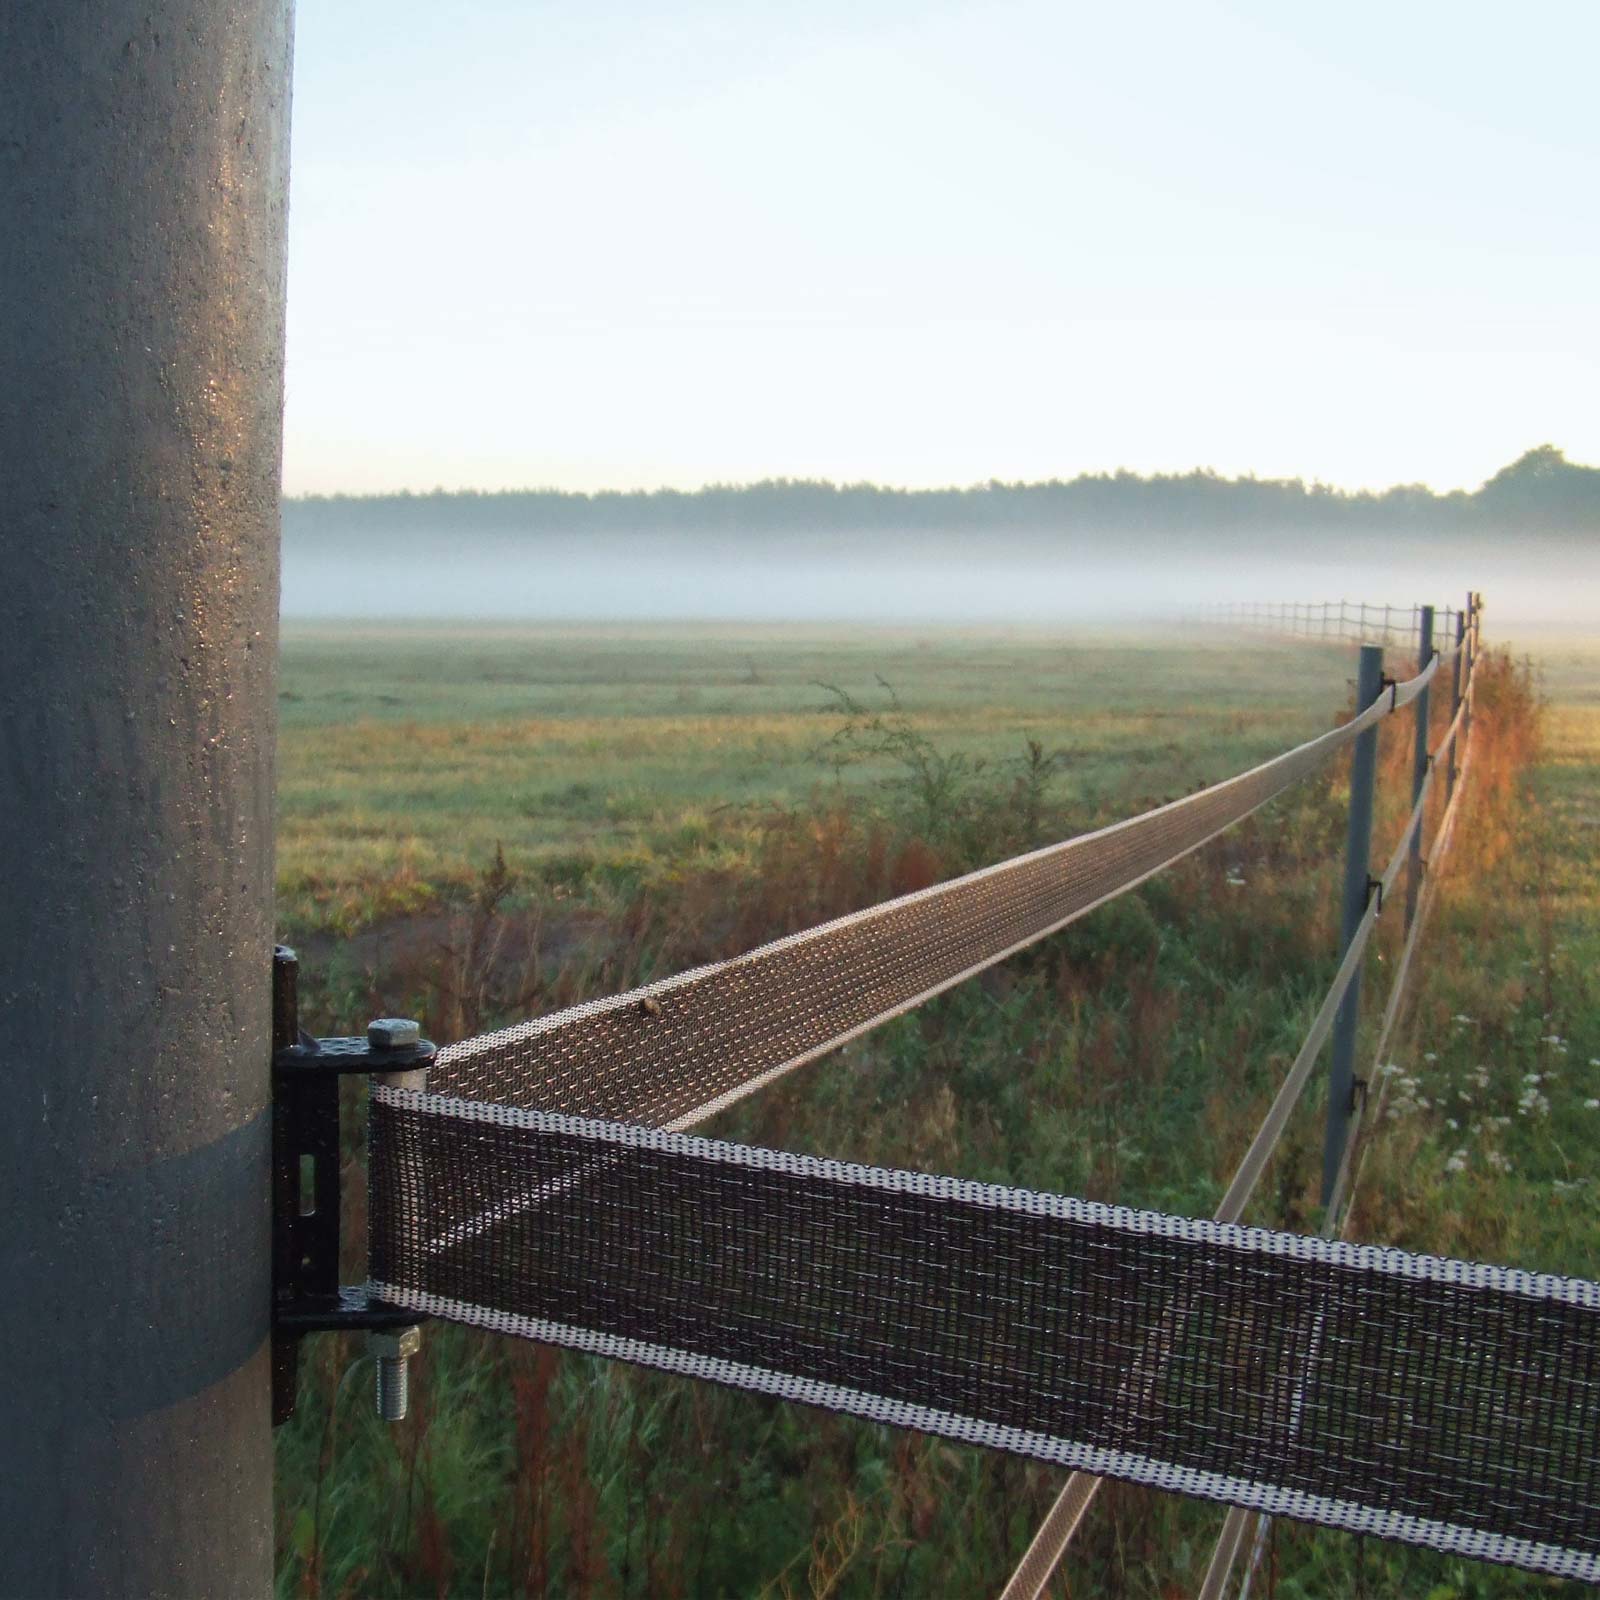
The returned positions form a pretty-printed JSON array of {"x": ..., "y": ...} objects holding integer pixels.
[{"x": 1353, "y": 621}]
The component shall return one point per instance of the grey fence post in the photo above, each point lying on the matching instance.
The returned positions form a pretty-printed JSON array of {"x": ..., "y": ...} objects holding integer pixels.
[
  {"x": 1419, "y": 766},
  {"x": 1458, "y": 686},
  {"x": 142, "y": 274},
  {"x": 1357, "y": 886}
]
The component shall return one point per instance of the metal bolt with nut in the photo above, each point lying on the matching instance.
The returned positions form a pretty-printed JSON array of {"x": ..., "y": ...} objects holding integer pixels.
[{"x": 392, "y": 1349}]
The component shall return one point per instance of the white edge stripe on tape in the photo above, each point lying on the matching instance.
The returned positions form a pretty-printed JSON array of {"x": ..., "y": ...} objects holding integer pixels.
[{"x": 1352, "y": 1515}]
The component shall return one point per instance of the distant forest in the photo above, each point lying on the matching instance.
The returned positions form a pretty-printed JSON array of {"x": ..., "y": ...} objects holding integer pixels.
[{"x": 1540, "y": 494}]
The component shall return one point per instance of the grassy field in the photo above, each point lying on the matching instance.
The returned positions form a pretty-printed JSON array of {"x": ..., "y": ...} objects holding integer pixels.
[
  {"x": 478, "y": 826},
  {"x": 598, "y": 757}
]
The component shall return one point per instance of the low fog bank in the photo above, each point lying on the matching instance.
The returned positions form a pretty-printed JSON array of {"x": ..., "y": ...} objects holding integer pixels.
[
  {"x": 1534, "y": 582},
  {"x": 1107, "y": 546}
]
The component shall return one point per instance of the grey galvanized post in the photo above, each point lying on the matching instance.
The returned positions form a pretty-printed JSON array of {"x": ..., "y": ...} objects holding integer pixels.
[
  {"x": 1357, "y": 886},
  {"x": 1458, "y": 686},
  {"x": 1419, "y": 765},
  {"x": 142, "y": 274}
]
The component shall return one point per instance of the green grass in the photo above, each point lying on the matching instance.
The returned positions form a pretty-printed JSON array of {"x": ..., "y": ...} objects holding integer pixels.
[
  {"x": 1128, "y": 1058},
  {"x": 406, "y": 759}
]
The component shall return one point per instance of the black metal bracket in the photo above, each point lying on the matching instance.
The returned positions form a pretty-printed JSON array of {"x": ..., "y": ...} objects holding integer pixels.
[
  {"x": 1375, "y": 888},
  {"x": 307, "y": 1296}
]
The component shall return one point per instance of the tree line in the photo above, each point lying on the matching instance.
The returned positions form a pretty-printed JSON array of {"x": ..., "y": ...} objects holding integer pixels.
[{"x": 1539, "y": 493}]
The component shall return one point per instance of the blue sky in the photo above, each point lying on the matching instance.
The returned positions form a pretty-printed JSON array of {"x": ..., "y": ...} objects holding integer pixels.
[{"x": 612, "y": 245}]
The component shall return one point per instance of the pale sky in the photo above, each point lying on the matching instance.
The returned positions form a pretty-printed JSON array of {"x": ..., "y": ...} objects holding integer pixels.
[{"x": 604, "y": 244}]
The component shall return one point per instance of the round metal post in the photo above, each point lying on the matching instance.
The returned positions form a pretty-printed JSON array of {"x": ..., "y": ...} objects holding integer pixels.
[
  {"x": 142, "y": 274},
  {"x": 1357, "y": 886},
  {"x": 1458, "y": 685},
  {"x": 1419, "y": 765}
]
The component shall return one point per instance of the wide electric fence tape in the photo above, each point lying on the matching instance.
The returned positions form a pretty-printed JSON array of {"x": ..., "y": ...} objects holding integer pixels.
[
  {"x": 543, "y": 1189},
  {"x": 1437, "y": 1402},
  {"x": 674, "y": 1053}
]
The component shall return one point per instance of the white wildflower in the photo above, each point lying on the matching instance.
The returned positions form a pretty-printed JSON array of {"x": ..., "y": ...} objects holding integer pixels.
[
  {"x": 1457, "y": 1162},
  {"x": 1591, "y": 1105},
  {"x": 1498, "y": 1161}
]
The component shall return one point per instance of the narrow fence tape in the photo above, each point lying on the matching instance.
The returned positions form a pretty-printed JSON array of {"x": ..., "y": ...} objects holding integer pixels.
[
  {"x": 1336, "y": 1219},
  {"x": 674, "y": 1053}
]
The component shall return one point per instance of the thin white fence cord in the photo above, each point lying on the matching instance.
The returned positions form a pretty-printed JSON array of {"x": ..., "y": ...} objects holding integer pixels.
[
  {"x": 1064, "y": 1518},
  {"x": 1337, "y": 1218}
]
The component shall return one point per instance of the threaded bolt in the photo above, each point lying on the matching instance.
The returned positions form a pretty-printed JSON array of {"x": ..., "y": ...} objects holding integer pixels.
[
  {"x": 394, "y": 1388},
  {"x": 391, "y": 1350}
]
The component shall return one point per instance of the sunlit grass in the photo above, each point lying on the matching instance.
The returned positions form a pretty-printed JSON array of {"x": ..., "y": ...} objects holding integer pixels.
[{"x": 404, "y": 762}]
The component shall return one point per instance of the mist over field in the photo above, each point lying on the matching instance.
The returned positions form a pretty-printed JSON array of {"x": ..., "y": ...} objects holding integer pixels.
[{"x": 1103, "y": 548}]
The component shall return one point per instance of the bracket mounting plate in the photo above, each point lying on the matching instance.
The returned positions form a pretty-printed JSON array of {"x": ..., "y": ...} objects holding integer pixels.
[{"x": 307, "y": 1296}]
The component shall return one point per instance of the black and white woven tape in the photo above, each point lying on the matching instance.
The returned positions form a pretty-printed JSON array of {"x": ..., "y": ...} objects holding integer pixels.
[{"x": 1438, "y": 1402}]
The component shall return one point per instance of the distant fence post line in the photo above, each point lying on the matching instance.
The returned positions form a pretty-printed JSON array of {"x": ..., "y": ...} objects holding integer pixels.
[
  {"x": 1357, "y": 888},
  {"x": 140, "y": 426}
]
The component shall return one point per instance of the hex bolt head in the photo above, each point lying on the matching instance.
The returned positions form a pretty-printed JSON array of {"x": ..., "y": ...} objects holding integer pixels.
[
  {"x": 393, "y": 1033},
  {"x": 394, "y": 1344}
]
